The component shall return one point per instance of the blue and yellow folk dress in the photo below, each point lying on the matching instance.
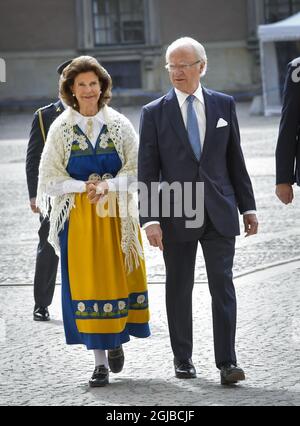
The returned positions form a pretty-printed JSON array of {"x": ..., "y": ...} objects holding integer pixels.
[{"x": 102, "y": 304}]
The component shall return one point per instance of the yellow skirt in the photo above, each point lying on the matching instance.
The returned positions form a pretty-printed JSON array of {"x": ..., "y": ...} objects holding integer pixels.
[{"x": 108, "y": 304}]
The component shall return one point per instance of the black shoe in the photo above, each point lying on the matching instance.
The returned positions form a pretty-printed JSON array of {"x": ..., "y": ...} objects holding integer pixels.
[
  {"x": 41, "y": 314},
  {"x": 116, "y": 359},
  {"x": 100, "y": 377},
  {"x": 184, "y": 369},
  {"x": 231, "y": 374}
]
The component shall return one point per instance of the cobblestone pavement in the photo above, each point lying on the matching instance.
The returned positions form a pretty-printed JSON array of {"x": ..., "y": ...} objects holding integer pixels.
[{"x": 37, "y": 367}]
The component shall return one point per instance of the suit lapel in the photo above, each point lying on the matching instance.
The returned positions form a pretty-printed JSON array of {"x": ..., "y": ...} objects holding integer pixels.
[
  {"x": 175, "y": 118},
  {"x": 211, "y": 119}
]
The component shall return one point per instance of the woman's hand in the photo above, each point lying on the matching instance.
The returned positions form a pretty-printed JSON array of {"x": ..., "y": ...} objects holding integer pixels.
[{"x": 96, "y": 191}]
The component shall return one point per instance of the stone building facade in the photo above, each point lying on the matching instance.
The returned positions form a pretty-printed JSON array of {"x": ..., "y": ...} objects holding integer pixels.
[{"x": 130, "y": 37}]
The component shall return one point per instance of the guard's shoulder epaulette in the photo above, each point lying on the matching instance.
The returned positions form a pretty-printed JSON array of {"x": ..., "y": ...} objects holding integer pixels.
[{"x": 46, "y": 107}]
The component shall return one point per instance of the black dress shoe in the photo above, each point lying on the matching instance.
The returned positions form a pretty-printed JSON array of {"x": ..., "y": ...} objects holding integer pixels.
[
  {"x": 41, "y": 314},
  {"x": 184, "y": 369},
  {"x": 116, "y": 359},
  {"x": 100, "y": 377},
  {"x": 231, "y": 374}
]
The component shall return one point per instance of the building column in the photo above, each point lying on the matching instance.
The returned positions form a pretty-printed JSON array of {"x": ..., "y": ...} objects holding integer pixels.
[
  {"x": 151, "y": 56},
  {"x": 84, "y": 21},
  {"x": 255, "y": 17}
]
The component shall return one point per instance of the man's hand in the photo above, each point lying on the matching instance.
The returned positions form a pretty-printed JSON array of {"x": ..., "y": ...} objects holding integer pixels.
[
  {"x": 96, "y": 191},
  {"x": 251, "y": 224},
  {"x": 285, "y": 193},
  {"x": 33, "y": 206},
  {"x": 154, "y": 235}
]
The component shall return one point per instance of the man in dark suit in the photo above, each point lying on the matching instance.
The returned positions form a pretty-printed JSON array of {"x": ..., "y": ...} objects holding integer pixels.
[
  {"x": 288, "y": 144},
  {"x": 46, "y": 259},
  {"x": 191, "y": 135}
]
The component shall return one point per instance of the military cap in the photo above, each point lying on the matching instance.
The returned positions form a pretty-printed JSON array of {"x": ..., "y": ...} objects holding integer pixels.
[{"x": 62, "y": 66}]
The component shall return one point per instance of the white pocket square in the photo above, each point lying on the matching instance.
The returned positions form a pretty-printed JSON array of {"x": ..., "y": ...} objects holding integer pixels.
[{"x": 222, "y": 123}]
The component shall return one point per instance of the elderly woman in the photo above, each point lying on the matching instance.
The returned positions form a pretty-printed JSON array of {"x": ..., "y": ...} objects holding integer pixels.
[{"x": 91, "y": 147}]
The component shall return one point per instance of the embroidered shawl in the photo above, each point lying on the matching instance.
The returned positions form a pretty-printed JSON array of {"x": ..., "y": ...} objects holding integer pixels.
[{"x": 52, "y": 170}]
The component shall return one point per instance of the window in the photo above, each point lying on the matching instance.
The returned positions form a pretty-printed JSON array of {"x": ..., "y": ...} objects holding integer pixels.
[
  {"x": 118, "y": 22},
  {"x": 125, "y": 75},
  {"x": 276, "y": 10}
]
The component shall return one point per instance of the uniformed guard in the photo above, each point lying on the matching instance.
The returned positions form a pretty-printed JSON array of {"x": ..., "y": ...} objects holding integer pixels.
[{"x": 46, "y": 259}]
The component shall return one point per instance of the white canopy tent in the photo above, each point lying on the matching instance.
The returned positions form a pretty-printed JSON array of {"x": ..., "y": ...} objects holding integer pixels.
[{"x": 286, "y": 30}]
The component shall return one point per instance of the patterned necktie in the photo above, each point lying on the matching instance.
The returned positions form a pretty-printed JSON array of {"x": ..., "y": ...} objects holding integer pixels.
[
  {"x": 193, "y": 128},
  {"x": 90, "y": 129}
]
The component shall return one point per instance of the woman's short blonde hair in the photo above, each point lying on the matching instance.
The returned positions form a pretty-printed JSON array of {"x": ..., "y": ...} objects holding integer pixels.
[{"x": 80, "y": 65}]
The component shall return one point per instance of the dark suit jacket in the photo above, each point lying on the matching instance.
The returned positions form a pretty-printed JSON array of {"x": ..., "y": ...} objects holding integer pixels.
[
  {"x": 288, "y": 145},
  {"x": 36, "y": 143},
  {"x": 165, "y": 155}
]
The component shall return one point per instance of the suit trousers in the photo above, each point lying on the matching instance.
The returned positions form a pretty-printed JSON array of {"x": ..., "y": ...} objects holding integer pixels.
[
  {"x": 180, "y": 257},
  {"x": 45, "y": 268}
]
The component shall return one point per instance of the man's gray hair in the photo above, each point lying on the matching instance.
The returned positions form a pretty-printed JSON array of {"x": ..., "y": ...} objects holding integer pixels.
[{"x": 189, "y": 42}]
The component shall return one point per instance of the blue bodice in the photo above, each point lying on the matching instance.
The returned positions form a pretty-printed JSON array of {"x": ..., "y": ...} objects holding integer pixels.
[{"x": 86, "y": 159}]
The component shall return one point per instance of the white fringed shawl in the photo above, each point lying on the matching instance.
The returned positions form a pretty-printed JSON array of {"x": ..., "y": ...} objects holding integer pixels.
[{"x": 52, "y": 170}]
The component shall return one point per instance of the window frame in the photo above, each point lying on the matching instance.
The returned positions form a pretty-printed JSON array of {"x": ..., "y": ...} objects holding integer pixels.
[{"x": 120, "y": 27}]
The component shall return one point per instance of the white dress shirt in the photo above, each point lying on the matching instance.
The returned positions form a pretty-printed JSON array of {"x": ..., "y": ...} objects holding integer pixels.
[{"x": 97, "y": 120}]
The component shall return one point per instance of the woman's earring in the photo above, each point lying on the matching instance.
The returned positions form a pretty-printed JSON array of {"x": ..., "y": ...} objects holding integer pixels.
[{"x": 74, "y": 104}]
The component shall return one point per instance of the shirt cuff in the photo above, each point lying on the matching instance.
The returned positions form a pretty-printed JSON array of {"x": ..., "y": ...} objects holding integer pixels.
[
  {"x": 70, "y": 186},
  {"x": 122, "y": 184},
  {"x": 250, "y": 212},
  {"x": 111, "y": 185},
  {"x": 153, "y": 222}
]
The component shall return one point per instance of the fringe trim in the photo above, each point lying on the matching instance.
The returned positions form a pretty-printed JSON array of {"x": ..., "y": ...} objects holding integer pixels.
[
  {"x": 130, "y": 243},
  {"x": 57, "y": 209},
  {"x": 59, "y": 214},
  {"x": 132, "y": 249}
]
